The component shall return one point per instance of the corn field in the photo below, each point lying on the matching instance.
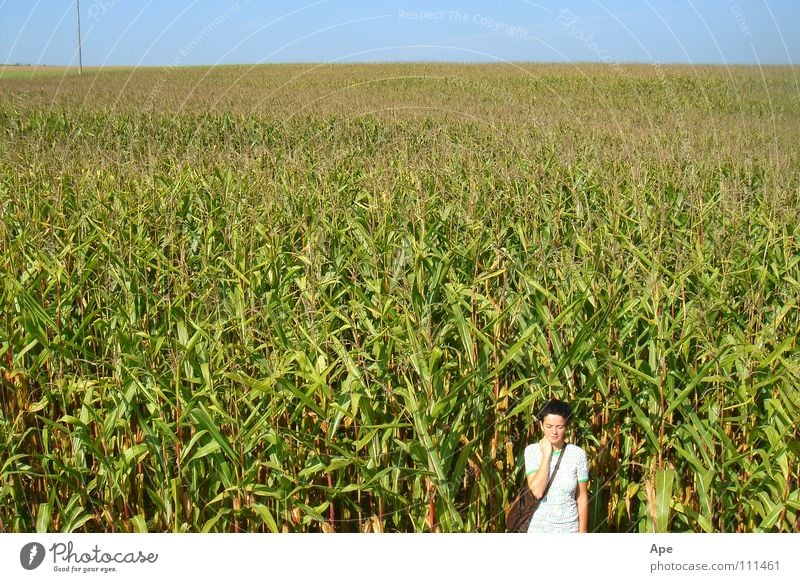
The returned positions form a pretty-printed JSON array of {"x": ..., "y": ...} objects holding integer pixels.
[{"x": 331, "y": 298}]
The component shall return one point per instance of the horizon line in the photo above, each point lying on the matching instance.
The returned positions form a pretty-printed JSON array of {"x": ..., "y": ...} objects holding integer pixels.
[{"x": 404, "y": 62}]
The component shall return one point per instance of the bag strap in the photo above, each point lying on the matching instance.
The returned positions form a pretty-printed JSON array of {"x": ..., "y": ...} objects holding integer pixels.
[{"x": 555, "y": 470}]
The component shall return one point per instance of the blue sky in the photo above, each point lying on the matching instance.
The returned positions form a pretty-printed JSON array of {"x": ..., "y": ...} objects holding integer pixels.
[{"x": 211, "y": 32}]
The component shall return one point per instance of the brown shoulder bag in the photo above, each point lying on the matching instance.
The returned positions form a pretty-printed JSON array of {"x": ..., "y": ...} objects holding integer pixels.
[{"x": 520, "y": 512}]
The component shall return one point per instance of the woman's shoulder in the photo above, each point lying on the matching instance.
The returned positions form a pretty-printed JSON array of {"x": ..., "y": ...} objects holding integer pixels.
[
  {"x": 575, "y": 450},
  {"x": 533, "y": 448}
]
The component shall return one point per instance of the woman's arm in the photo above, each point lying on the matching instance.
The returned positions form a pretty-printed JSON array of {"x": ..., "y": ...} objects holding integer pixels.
[
  {"x": 538, "y": 481},
  {"x": 583, "y": 507}
]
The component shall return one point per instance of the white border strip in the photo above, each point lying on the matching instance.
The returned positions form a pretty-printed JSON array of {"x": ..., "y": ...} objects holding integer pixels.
[{"x": 401, "y": 557}]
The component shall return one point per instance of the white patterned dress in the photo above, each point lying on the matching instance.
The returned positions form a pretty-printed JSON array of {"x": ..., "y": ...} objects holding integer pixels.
[{"x": 558, "y": 510}]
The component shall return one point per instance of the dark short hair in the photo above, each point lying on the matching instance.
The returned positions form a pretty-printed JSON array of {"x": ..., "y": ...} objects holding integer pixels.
[{"x": 558, "y": 407}]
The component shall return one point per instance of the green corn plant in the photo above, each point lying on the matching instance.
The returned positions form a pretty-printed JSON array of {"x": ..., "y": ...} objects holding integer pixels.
[{"x": 267, "y": 311}]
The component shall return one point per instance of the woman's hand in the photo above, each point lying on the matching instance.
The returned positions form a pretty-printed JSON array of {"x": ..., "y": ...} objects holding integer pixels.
[{"x": 546, "y": 447}]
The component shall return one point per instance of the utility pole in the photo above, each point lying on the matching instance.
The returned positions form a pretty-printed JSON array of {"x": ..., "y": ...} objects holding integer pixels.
[{"x": 80, "y": 56}]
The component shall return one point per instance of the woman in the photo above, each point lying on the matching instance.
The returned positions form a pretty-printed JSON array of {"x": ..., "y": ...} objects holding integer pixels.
[{"x": 565, "y": 508}]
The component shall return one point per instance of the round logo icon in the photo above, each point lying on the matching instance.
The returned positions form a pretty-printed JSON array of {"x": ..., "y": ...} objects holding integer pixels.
[{"x": 31, "y": 555}]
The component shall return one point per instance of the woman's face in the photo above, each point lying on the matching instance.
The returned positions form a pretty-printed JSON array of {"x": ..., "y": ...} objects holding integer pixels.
[{"x": 554, "y": 427}]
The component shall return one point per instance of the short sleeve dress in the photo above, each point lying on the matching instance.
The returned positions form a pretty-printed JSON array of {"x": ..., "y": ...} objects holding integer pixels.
[{"x": 558, "y": 510}]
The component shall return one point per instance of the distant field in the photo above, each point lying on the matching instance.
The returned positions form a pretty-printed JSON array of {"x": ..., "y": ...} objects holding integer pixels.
[
  {"x": 37, "y": 72},
  {"x": 29, "y": 72},
  {"x": 305, "y": 298}
]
